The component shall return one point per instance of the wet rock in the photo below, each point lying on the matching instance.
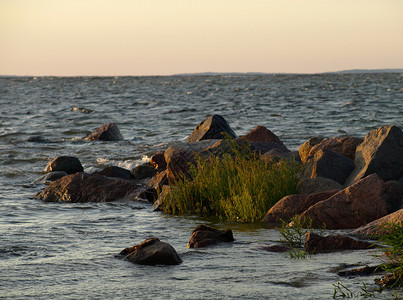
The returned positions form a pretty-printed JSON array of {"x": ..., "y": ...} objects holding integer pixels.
[
  {"x": 393, "y": 195},
  {"x": 315, "y": 243},
  {"x": 364, "y": 271},
  {"x": 352, "y": 207},
  {"x": 377, "y": 227},
  {"x": 117, "y": 172},
  {"x": 82, "y": 187},
  {"x": 380, "y": 153},
  {"x": 317, "y": 185},
  {"x": 68, "y": 164},
  {"x": 107, "y": 132},
  {"x": 159, "y": 203},
  {"x": 328, "y": 164},
  {"x": 143, "y": 171},
  {"x": 388, "y": 281},
  {"x": 204, "y": 235},
  {"x": 277, "y": 248},
  {"x": 342, "y": 145},
  {"x": 152, "y": 252},
  {"x": 155, "y": 184},
  {"x": 50, "y": 177},
  {"x": 306, "y": 147},
  {"x": 214, "y": 127},
  {"x": 158, "y": 161},
  {"x": 36, "y": 139},
  {"x": 292, "y": 205}
]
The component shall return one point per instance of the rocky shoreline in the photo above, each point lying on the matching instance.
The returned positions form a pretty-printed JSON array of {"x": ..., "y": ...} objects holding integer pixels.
[{"x": 345, "y": 183}]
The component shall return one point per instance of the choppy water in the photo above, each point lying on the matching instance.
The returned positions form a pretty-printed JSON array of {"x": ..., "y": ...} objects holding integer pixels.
[{"x": 55, "y": 251}]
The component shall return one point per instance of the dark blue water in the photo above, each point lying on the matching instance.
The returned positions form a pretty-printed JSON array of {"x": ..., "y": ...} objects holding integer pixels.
[{"x": 53, "y": 250}]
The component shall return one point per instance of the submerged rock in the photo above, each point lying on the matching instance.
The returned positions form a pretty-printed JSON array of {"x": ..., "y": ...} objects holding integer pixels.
[
  {"x": 68, "y": 164},
  {"x": 315, "y": 243},
  {"x": 107, "y": 132},
  {"x": 380, "y": 153},
  {"x": 82, "y": 187},
  {"x": 352, "y": 207},
  {"x": 152, "y": 252},
  {"x": 204, "y": 235},
  {"x": 214, "y": 127}
]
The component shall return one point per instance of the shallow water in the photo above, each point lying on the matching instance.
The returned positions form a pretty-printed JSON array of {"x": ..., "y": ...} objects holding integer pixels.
[{"x": 53, "y": 250}]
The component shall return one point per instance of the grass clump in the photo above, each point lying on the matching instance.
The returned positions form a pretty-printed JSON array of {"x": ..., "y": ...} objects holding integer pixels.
[
  {"x": 237, "y": 186},
  {"x": 392, "y": 245}
]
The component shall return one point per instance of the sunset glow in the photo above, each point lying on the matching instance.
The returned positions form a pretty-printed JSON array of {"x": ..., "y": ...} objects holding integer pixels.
[{"x": 162, "y": 37}]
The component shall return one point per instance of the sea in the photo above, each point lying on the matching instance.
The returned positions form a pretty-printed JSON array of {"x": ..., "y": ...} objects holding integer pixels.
[{"x": 68, "y": 250}]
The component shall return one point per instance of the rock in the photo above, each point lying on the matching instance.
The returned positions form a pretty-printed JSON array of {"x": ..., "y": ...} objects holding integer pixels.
[
  {"x": 277, "y": 248},
  {"x": 152, "y": 252},
  {"x": 179, "y": 156},
  {"x": 51, "y": 176},
  {"x": 352, "y": 207},
  {"x": 107, "y": 132},
  {"x": 204, "y": 235},
  {"x": 393, "y": 195},
  {"x": 292, "y": 205},
  {"x": 82, "y": 187},
  {"x": 273, "y": 148},
  {"x": 155, "y": 184},
  {"x": 315, "y": 243},
  {"x": 306, "y": 147},
  {"x": 261, "y": 134},
  {"x": 380, "y": 153},
  {"x": 214, "y": 127},
  {"x": 69, "y": 164},
  {"x": 276, "y": 154},
  {"x": 377, "y": 227},
  {"x": 36, "y": 139},
  {"x": 317, "y": 185},
  {"x": 328, "y": 164},
  {"x": 159, "y": 203},
  {"x": 143, "y": 171},
  {"x": 158, "y": 161},
  {"x": 117, "y": 172},
  {"x": 342, "y": 145},
  {"x": 364, "y": 271}
]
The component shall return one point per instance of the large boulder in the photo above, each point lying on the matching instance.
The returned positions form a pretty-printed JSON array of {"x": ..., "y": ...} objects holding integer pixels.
[
  {"x": 158, "y": 161},
  {"x": 50, "y": 177},
  {"x": 261, "y": 134},
  {"x": 144, "y": 171},
  {"x": 393, "y": 195},
  {"x": 292, "y": 205},
  {"x": 214, "y": 127},
  {"x": 150, "y": 191},
  {"x": 328, "y": 164},
  {"x": 305, "y": 149},
  {"x": 152, "y": 252},
  {"x": 82, "y": 187},
  {"x": 317, "y": 185},
  {"x": 204, "y": 235},
  {"x": 107, "y": 132},
  {"x": 377, "y": 227},
  {"x": 352, "y": 207},
  {"x": 68, "y": 164},
  {"x": 380, "y": 153},
  {"x": 315, "y": 243},
  {"x": 343, "y": 145}
]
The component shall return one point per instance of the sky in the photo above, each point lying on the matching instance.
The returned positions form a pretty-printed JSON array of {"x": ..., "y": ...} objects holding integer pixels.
[{"x": 164, "y": 37}]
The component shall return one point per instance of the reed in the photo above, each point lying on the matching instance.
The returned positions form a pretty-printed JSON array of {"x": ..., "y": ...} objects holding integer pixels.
[{"x": 237, "y": 186}]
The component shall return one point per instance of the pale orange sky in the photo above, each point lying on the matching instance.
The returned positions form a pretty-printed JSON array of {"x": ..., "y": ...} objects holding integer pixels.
[{"x": 162, "y": 37}]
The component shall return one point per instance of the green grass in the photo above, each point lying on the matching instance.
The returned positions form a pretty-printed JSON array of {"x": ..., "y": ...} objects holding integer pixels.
[{"x": 240, "y": 187}]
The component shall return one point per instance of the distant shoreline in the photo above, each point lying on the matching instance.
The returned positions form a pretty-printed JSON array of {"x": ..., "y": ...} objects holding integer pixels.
[{"x": 351, "y": 71}]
